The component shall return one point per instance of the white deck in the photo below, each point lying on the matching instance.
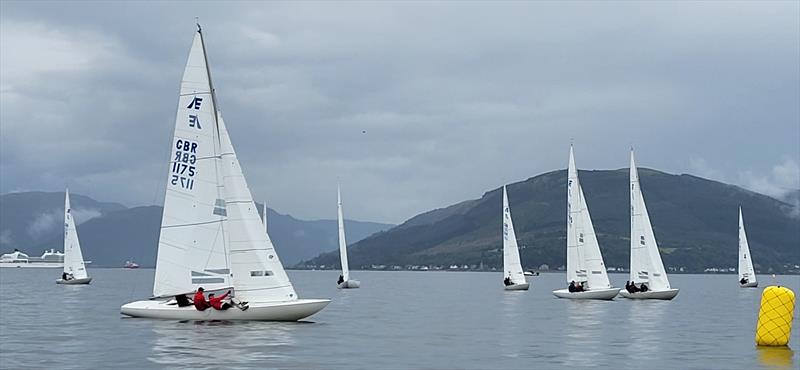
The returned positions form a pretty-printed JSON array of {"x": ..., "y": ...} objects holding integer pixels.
[
  {"x": 604, "y": 294},
  {"x": 524, "y": 286},
  {"x": 258, "y": 311},
  {"x": 661, "y": 294},
  {"x": 86, "y": 280},
  {"x": 349, "y": 284}
]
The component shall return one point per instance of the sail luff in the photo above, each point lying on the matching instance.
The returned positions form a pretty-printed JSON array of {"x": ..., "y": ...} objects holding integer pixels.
[
  {"x": 512, "y": 266},
  {"x": 746, "y": 270},
  {"x": 342, "y": 241}
]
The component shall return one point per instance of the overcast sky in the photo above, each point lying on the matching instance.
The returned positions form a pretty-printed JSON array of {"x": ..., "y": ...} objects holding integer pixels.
[{"x": 455, "y": 98}]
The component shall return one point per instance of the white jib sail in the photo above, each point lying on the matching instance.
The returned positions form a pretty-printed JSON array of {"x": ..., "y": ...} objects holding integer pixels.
[
  {"x": 264, "y": 220},
  {"x": 73, "y": 257},
  {"x": 257, "y": 272},
  {"x": 512, "y": 267},
  {"x": 191, "y": 246},
  {"x": 342, "y": 241},
  {"x": 646, "y": 265},
  {"x": 584, "y": 259},
  {"x": 746, "y": 270}
]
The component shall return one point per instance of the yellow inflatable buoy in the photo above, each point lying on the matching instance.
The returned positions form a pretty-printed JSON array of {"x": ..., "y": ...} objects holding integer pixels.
[{"x": 775, "y": 316}]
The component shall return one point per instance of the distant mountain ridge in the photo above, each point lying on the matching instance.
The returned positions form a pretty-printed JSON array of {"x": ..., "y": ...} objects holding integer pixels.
[
  {"x": 695, "y": 222},
  {"x": 110, "y": 233}
]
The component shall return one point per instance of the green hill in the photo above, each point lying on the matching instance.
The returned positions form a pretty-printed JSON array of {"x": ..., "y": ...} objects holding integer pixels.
[{"x": 695, "y": 222}]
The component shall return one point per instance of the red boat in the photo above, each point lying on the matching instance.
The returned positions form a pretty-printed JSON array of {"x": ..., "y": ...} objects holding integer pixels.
[{"x": 131, "y": 265}]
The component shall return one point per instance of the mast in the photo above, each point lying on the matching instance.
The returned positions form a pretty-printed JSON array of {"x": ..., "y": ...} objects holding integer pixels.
[{"x": 217, "y": 143}]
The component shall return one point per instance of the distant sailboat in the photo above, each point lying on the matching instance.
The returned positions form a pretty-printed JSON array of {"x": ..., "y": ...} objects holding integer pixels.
[
  {"x": 514, "y": 278},
  {"x": 585, "y": 266},
  {"x": 211, "y": 235},
  {"x": 344, "y": 281},
  {"x": 747, "y": 275},
  {"x": 74, "y": 267},
  {"x": 646, "y": 266}
]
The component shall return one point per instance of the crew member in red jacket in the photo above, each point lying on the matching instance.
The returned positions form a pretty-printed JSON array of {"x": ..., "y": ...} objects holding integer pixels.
[
  {"x": 200, "y": 300},
  {"x": 220, "y": 303}
]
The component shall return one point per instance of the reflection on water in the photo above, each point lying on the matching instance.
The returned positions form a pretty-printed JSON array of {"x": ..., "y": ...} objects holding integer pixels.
[
  {"x": 775, "y": 357},
  {"x": 512, "y": 313},
  {"x": 583, "y": 326},
  {"x": 220, "y": 344},
  {"x": 645, "y": 321}
]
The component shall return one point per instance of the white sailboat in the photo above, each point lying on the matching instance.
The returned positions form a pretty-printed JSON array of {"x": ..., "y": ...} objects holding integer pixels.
[
  {"x": 211, "y": 235},
  {"x": 74, "y": 267},
  {"x": 585, "y": 266},
  {"x": 514, "y": 278},
  {"x": 344, "y": 281},
  {"x": 747, "y": 275},
  {"x": 646, "y": 266}
]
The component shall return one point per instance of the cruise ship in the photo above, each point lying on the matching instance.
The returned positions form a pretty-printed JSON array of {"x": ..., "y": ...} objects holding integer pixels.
[{"x": 49, "y": 259}]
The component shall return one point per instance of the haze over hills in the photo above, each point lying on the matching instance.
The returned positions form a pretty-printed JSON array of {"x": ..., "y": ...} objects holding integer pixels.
[
  {"x": 110, "y": 233},
  {"x": 695, "y": 222}
]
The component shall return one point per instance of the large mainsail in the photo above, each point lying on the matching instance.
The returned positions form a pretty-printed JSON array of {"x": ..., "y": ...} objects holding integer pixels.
[
  {"x": 646, "y": 265},
  {"x": 257, "y": 273},
  {"x": 191, "y": 246},
  {"x": 746, "y": 270},
  {"x": 73, "y": 257},
  {"x": 342, "y": 241},
  {"x": 584, "y": 259},
  {"x": 512, "y": 267}
]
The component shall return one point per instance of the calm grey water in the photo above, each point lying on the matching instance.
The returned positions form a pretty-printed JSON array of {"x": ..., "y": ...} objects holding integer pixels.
[{"x": 431, "y": 320}]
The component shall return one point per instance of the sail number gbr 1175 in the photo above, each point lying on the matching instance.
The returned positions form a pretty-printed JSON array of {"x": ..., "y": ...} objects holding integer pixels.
[{"x": 183, "y": 164}]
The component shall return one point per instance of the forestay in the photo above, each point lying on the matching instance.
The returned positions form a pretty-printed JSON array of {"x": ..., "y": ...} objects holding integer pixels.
[
  {"x": 342, "y": 241},
  {"x": 512, "y": 266},
  {"x": 746, "y": 270},
  {"x": 191, "y": 246},
  {"x": 257, "y": 273},
  {"x": 584, "y": 259},
  {"x": 73, "y": 257},
  {"x": 646, "y": 265}
]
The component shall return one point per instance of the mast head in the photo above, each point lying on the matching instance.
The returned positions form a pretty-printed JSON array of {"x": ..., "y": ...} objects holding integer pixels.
[{"x": 197, "y": 22}]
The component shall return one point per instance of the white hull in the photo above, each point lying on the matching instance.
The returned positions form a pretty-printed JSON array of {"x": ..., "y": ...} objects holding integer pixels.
[
  {"x": 749, "y": 285},
  {"x": 74, "y": 281},
  {"x": 661, "y": 294},
  {"x": 33, "y": 265},
  {"x": 349, "y": 284},
  {"x": 523, "y": 286},
  {"x": 258, "y": 311},
  {"x": 606, "y": 294}
]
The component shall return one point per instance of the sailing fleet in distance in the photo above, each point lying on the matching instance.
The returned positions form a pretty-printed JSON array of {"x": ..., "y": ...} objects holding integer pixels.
[{"x": 212, "y": 238}]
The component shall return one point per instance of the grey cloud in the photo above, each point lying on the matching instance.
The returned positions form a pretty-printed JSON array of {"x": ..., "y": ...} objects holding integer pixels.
[{"x": 454, "y": 99}]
